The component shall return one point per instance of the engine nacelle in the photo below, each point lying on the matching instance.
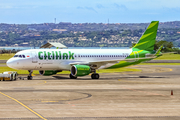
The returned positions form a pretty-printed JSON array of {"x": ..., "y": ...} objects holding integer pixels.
[
  {"x": 80, "y": 70},
  {"x": 48, "y": 72}
]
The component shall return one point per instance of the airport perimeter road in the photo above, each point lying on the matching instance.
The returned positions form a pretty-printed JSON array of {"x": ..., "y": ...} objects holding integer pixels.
[{"x": 142, "y": 95}]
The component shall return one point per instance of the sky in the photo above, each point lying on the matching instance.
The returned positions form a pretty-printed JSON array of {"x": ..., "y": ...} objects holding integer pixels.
[{"x": 88, "y": 11}]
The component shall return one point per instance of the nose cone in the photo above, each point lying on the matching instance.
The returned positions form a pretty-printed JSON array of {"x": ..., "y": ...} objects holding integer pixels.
[{"x": 10, "y": 63}]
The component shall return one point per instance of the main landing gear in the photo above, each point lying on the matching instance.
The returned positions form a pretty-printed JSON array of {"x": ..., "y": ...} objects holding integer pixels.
[
  {"x": 94, "y": 75},
  {"x": 29, "y": 77}
]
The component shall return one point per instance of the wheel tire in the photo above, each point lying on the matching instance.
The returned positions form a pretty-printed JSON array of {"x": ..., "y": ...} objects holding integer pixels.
[
  {"x": 92, "y": 76},
  {"x": 29, "y": 77},
  {"x": 95, "y": 76},
  {"x": 15, "y": 77},
  {"x": 72, "y": 77}
]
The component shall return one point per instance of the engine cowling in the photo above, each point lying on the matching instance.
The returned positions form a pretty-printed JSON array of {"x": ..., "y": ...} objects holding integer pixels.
[
  {"x": 48, "y": 72},
  {"x": 80, "y": 70}
]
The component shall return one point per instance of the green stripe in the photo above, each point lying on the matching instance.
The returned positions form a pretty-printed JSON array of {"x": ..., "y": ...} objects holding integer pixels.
[{"x": 147, "y": 41}]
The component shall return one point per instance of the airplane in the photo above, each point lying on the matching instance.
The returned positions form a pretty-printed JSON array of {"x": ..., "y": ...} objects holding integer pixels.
[{"x": 82, "y": 62}]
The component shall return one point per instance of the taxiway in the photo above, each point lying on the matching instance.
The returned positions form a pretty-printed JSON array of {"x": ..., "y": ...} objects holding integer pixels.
[{"x": 144, "y": 95}]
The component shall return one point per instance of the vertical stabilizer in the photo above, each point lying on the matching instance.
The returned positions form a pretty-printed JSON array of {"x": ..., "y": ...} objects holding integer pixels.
[{"x": 148, "y": 39}]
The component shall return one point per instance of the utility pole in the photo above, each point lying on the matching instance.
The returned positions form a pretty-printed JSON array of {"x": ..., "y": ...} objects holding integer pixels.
[{"x": 54, "y": 20}]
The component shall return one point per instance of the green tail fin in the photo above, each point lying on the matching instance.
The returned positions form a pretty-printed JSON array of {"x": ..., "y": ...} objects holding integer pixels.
[{"x": 148, "y": 39}]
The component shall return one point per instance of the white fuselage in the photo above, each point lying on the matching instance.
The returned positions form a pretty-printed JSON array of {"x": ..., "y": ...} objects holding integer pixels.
[{"x": 61, "y": 59}]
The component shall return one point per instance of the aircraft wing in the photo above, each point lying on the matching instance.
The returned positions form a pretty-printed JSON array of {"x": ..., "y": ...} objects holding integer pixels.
[{"x": 108, "y": 61}]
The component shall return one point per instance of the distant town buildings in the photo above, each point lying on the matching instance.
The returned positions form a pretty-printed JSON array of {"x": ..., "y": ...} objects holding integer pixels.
[{"x": 83, "y": 34}]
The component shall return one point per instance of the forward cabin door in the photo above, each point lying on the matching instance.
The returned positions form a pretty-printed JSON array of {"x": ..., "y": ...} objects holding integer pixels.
[{"x": 34, "y": 57}]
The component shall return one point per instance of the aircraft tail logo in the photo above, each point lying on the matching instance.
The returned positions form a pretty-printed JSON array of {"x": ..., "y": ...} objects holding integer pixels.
[{"x": 148, "y": 39}]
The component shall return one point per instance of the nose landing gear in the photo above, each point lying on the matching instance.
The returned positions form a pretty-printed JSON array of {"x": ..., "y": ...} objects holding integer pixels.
[{"x": 29, "y": 77}]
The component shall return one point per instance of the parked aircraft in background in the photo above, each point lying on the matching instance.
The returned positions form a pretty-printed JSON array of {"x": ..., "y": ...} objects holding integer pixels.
[{"x": 81, "y": 62}]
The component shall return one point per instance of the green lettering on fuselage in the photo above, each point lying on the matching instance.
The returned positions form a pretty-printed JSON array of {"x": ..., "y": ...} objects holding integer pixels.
[
  {"x": 43, "y": 55},
  {"x": 53, "y": 55},
  {"x": 49, "y": 55},
  {"x": 56, "y": 55},
  {"x": 71, "y": 55},
  {"x": 65, "y": 56},
  {"x": 40, "y": 57},
  {"x": 59, "y": 54}
]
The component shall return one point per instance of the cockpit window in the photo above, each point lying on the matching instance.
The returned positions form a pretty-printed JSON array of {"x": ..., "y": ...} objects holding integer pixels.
[
  {"x": 16, "y": 56},
  {"x": 20, "y": 56}
]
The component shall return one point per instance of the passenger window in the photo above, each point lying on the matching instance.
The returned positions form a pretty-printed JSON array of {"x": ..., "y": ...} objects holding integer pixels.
[
  {"x": 23, "y": 56},
  {"x": 20, "y": 56}
]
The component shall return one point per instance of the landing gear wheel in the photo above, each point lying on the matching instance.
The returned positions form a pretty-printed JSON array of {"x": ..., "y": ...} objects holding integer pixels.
[
  {"x": 72, "y": 77},
  {"x": 29, "y": 77},
  {"x": 95, "y": 76},
  {"x": 15, "y": 77}
]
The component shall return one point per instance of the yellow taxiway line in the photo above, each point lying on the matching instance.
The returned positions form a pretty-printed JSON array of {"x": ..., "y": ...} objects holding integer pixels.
[{"x": 24, "y": 106}]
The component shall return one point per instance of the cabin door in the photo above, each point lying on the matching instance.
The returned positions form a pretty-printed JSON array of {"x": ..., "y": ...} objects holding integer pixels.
[{"x": 34, "y": 57}]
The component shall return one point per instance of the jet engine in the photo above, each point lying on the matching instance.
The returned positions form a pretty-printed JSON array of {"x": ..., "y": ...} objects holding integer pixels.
[{"x": 80, "y": 70}]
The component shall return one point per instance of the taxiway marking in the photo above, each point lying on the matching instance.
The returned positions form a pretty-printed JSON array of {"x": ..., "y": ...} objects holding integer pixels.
[{"x": 24, "y": 106}]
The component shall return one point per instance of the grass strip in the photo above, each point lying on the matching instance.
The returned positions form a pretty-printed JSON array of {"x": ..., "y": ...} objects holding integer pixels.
[
  {"x": 169, "y": 56},
  {"x": 159, "y": 64},
  {"x": 6, "y": 56}
]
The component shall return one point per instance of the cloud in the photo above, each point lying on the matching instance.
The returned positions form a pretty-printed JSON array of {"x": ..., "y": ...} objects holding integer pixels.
[
  {"x": 87, "y": 8},
  {"x": 6, "y": 7},
  {"x": 90, "y": 8},
  {"x": 177, "y": 9},
  {"x": 17, "y": 7},
  {"x": 80, "y": 7},
  {"x": 122, "y": 7},
  {"x": 99, "y": 6}
]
